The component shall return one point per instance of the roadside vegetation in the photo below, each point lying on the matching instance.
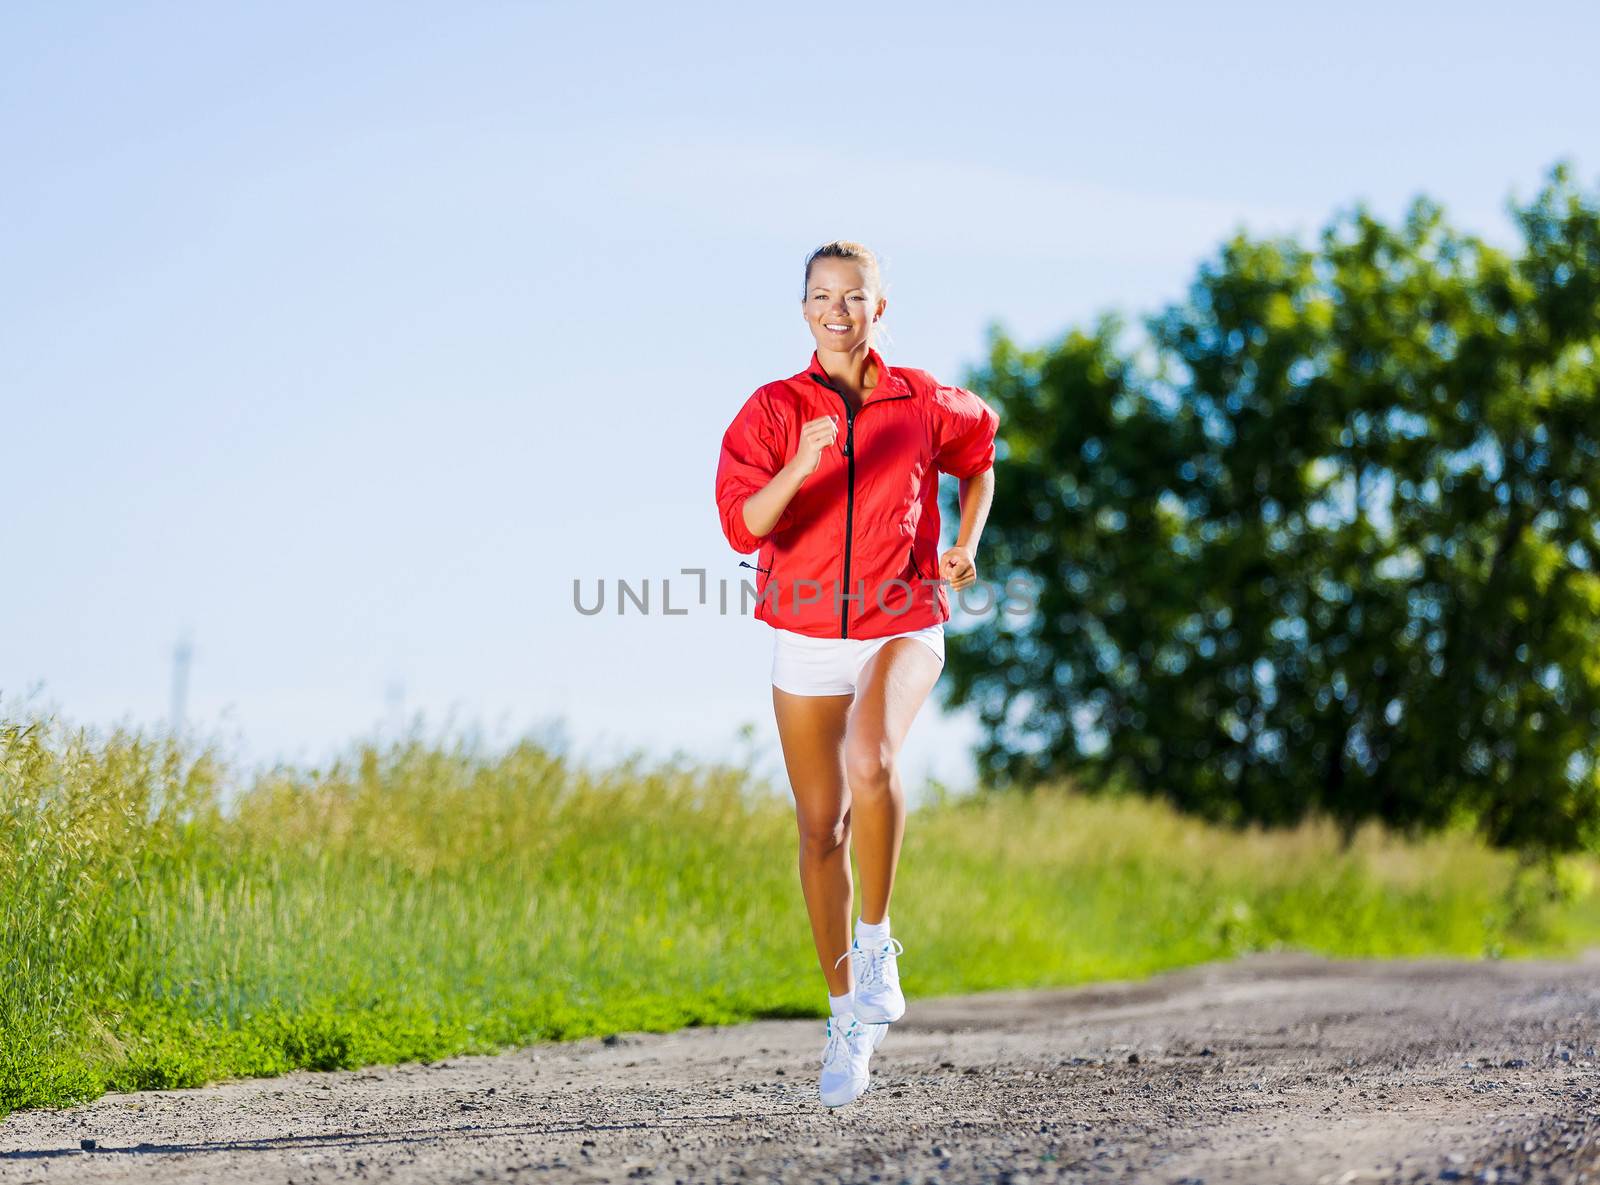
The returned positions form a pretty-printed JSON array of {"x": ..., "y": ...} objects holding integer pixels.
[{"x": 165, "y": 922}]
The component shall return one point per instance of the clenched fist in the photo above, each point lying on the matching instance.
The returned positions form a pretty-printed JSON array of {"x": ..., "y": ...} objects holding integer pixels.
[
  {"x": 815, "y": 435},
  {"x": 958, "y": 567}
]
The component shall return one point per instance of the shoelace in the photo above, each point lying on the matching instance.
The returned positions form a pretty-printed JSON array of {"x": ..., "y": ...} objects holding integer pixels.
[
  {"x": 868, "y": 966},
  {"x": 838, "y": 1047}
]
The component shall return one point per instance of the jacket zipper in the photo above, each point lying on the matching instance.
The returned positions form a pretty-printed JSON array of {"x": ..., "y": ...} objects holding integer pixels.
[
  {"x": 768, "y": 570},
  {"x": 850, "y": 486}
]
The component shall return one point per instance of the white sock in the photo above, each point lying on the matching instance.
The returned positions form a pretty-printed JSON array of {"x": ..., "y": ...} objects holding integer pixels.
[
  {"x": 870, "y": 934},
  {"x": 842, "y": 1006}
]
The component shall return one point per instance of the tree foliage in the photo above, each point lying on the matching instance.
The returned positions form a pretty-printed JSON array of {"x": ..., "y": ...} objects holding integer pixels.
[{"x": 1323, "y": 538}]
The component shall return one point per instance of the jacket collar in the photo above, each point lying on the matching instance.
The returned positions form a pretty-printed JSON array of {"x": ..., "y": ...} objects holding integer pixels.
[{"x": 890, "y": 385}]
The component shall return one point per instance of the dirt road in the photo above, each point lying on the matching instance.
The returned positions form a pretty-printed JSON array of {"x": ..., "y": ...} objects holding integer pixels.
[{"x": 1282, "y": 1067}]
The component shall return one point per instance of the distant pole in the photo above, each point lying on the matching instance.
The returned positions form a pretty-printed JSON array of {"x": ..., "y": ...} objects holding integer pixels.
[
  {"x": 181, "y": 655},
  {"x": 396, "y": 696}
]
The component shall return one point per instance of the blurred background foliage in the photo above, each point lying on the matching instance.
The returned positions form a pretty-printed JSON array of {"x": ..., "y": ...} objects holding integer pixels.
[{"x": 1321, "y": 538}]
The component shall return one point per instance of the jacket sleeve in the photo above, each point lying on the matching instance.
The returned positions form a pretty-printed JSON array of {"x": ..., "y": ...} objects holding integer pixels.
[
  {"x": 752, "y": 452},
  {"x": 964, "y": 427}
]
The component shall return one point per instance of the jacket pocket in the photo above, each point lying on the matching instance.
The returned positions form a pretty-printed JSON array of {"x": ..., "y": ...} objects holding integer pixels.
[{"x": 916, "y": 571}]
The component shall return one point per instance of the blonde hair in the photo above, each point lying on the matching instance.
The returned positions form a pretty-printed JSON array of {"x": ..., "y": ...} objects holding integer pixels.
[{"x": 858, "y": 253}]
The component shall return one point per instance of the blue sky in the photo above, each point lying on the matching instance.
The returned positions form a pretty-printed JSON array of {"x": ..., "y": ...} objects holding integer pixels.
[{"x": 343, "y": 338}]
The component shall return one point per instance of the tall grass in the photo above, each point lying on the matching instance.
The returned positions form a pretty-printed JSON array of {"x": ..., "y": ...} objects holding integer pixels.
[{"x": 161, "y": 925}]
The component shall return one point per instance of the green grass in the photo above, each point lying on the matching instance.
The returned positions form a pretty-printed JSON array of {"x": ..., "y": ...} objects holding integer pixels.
[{"x": 161, "y": 926}]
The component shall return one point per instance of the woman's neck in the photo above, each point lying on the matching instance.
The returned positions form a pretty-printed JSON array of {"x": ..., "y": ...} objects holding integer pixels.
[{"x": 849, "y": 370}]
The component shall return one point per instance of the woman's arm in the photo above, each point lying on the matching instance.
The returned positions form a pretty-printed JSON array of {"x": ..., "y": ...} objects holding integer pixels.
[
  {"x": 964, "y": 429},
  {"x": 977, "y": 495},
  {"x": 765, "y": 507},
  {"x": 754, "y": 484},
  {"x": 762, "y": 509},
  {"x": 959, "y": 564}
]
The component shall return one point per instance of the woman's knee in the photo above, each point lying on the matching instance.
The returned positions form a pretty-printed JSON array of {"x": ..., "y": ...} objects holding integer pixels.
[
  {"x": 869, "y": 766},
  {"x": 822, "y": 835}
]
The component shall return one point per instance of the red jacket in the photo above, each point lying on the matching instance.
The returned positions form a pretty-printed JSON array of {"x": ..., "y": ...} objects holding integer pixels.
[{"x": 855, "y": 553}]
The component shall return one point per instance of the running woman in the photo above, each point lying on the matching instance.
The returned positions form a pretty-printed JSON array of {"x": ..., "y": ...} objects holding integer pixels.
[{"x": 832, "y": 476}]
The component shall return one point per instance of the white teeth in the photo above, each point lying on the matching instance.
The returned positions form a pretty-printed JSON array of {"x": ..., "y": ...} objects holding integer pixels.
[{"x": 837, "y": 327}]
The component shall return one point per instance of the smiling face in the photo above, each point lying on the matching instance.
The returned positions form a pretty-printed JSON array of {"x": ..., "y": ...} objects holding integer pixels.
[{"x": 840, "y": 305}]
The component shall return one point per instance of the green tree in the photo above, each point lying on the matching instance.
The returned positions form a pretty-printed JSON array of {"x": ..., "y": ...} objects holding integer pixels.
[{"x": 1322, "y": 537}]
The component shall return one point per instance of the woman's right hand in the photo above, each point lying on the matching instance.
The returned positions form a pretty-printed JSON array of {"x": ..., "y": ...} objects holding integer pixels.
[{"x": 815, "y": 435}]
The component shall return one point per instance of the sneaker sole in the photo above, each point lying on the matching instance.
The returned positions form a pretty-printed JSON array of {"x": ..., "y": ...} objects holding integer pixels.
[
  {"x": 848, "y": 1101},
  {"x": 877, "y": 1040},
  {"x": 883, "y": 1019}
]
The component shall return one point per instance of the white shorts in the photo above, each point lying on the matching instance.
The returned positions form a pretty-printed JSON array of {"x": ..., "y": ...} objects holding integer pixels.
[{"x": 804, "y": 665}]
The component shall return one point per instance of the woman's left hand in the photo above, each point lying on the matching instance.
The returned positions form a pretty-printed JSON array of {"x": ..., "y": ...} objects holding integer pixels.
[{"x": 958, "y": 567}]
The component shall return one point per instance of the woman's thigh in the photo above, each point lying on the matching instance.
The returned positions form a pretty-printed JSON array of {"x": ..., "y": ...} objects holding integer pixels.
[
  {"x": 892, "y": 687},
  {"x": 811, "y": 729}
]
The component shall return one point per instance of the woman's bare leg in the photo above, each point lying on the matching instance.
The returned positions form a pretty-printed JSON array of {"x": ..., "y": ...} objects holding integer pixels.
[
  {"x": 811, "y": 729},
  {"x": 893, "y": 685}
]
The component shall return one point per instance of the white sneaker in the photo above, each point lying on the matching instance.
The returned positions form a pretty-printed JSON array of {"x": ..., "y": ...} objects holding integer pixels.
[
  {"x": 879, "y": 999},
  {"x": 845, "y": 1059}
]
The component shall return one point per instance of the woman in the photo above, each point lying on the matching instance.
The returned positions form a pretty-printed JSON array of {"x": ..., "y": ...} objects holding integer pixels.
[{"x": 831, "y": 475}]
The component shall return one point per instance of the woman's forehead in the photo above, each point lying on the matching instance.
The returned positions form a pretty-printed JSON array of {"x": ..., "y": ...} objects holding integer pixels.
[{"x": 839, "y": 267}]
